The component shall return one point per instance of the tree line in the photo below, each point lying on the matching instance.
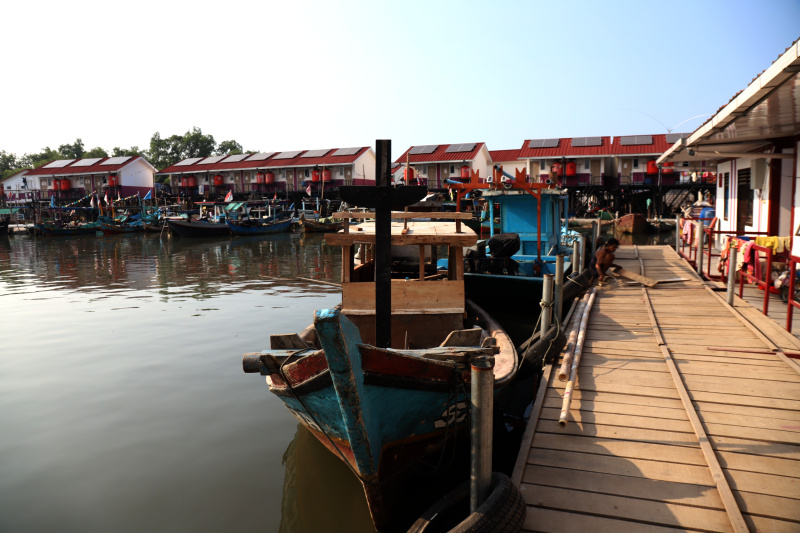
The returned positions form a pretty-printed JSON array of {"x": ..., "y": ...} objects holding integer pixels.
[{"x": 162, "y": 152}]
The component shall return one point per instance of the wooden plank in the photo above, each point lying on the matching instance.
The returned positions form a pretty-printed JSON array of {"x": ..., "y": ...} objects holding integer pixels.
[
  {"x": 760, "y": 523},
  {"x": 772, "y": 506},
  {"x": 760, "y": 464},
  {"x": 770, "y": 449},
  {"x": 619, "y": 432},
  {"x": 785, "y": 487},
  {"x": 650, "y": 489},
  {"x": 762, "y": 412},
  {"x": 744, "y": 421},
  {"x": 622, "y": 420},
  {"x": 602, "y": 386},
  {"x": 737, "y": 522},
  {"x": 734, "y": 371},
  {"x": 408, "y": 215},
  {"x": 619, "y": 448},
  {"x": 731, "y": 398},
  {"x": 640, "y": 468},
  {"x": 551, "y": 521},
  {"x": 619, "y": 409},
  {"x": 661, "y": 513},
  {"x": 746, "y": 387},
  {"x": 530, "y": 429},
  {"x": 611, "y": 397},
  {"x": 768, "y": 435}
]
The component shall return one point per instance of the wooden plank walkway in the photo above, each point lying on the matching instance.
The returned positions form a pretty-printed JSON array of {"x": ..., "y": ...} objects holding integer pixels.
[{"x": 672, "y": 426}]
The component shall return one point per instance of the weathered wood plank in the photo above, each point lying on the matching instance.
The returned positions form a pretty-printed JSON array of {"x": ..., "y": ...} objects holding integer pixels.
[
  {"x": 551, "y": 521},
  {"x": 620, "y": 448}
]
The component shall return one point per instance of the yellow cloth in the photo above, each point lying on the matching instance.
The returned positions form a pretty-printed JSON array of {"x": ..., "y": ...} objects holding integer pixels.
[{"x": 778, "y": 244}]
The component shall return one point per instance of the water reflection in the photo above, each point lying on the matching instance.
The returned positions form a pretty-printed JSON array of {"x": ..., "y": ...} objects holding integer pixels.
[
  {"x": 195, "y": 268},
  {"x": 319, "y": 491}
]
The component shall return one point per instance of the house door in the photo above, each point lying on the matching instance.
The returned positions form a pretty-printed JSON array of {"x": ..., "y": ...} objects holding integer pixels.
[
  {"x": 596, "y": 177},
  {"x": 626, "y": 171},
  {"x": 744, "y": 200}
]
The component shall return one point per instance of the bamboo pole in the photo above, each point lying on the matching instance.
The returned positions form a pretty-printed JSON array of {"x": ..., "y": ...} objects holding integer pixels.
[
  {"x": 576, "y": 360},
  {"x": 569, "y": 350}
]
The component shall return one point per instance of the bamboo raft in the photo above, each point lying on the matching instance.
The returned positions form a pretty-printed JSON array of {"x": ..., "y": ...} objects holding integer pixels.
[{"x": 685, "y": 415}]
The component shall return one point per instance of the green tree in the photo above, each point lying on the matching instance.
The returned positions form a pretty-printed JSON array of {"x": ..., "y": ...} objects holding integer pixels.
[
  {"x": 37, "y": 160},
  {"x": 229, "y": 148},
  {"x": 195, "y": 144},
  {"x": 133, "y": 150},
  {"x": 71, "y": 151},
  {"x": 95, "y": 152},
  {"x": 8, "y": 161}
]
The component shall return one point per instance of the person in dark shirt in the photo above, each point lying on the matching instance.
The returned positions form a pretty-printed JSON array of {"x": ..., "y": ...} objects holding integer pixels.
[{"x": 604, "y": 258}]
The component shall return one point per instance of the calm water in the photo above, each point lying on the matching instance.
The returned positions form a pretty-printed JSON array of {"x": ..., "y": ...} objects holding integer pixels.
[{"x": 123, "y": 405}]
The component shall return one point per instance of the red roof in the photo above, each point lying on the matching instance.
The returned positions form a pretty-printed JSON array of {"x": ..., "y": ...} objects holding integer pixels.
[
  {"x": 659, "y": 145},
  {"x": 505, "y": 155},
  {"x": 72, "y": 170},
  {"x": 440, "y": 154},
  {"x": 271, "y": 162},
  {"x": 565, "y": 148}
]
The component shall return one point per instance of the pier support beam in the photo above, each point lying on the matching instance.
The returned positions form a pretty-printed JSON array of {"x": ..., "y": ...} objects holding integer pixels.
[{"x": 480, "y": 478}]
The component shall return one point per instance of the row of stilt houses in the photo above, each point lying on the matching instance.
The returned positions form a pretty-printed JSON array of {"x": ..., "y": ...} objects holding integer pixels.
[{"x": 743, "y": 160}]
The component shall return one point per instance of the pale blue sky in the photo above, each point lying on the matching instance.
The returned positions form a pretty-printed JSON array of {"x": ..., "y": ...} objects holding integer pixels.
[{"x": 312, "y": 74}]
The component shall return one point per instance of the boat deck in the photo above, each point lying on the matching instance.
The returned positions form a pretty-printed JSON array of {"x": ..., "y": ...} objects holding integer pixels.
[{"x": 685, "y": 416}]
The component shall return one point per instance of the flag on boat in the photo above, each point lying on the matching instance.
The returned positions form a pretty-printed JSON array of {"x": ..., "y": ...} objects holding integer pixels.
[
  {"x": 91, "y": 203},
  {"x": 106, "y": 198},
  {"x": 148, "y": 196},
  {"x": 118, "y": 198},
  {"x": 276, "y": 196},
  {"x": 229, "y": 196},
  {"x": 308, "y": 190},
  {"x": 52, "y": 201}
]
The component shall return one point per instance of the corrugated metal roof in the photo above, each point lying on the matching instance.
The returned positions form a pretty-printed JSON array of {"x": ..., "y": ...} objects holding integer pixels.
[
  {"x": 658, "y": 146},
  {"x": 565, "y": 149},
  {"x": 440, "y": 155},
  {"x": 72, "y": 170},
  {"x": 504, "y": 155},
  {"x": 299, "y": 161}
]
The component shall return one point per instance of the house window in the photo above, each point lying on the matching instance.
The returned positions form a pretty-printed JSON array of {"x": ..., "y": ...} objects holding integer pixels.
[
  {"x": 726, "y": 193},
  {"x": 306, "y": 173},
  {"x": 585, "y": 164},
  {"x": 452, "y": 169},
  {"x": 341, "y": 171},
  {"x": 635, "y": 162},
  {"x": 745, "y": 200}
]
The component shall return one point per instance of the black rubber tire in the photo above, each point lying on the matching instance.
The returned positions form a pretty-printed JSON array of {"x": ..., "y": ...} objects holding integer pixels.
[
  {"x": 502, "y": 512},
  {"x": 785, "y": 294}
]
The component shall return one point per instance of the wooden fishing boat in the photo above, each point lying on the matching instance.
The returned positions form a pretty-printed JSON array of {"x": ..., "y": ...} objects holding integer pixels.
[
  {"x": 259, "y": 227},
  {"x": 4, "y": 226},
  {"x": 110, "y": 226},
  {"x": 633, "y": 223},
  {"x": 323, "y": 225},
  {"x": 382, "y": 410},
  {"x": 198, "y": 228},
  {"x": 52, "y": 229}
]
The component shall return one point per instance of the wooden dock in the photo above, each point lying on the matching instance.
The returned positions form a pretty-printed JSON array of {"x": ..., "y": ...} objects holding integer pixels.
[{"x": 686, "y": 416}]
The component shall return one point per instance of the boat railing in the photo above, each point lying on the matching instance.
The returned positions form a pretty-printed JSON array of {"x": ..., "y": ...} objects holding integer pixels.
[{"x": 457, "y": 216}]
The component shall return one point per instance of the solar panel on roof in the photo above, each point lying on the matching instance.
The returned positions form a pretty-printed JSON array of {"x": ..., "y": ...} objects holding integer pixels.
[
  {"x": 424, "y": 149},
  {"x": 210, "y": 160},
  {"x": 543, "y": 143},
  {"x": 189, "y": 161},
  {"x": 87, "y": 162},
  {"x": 235, "y": 158},
  {"x": 316, "y": 153},
  {"x": 578, "y": 142},
  {"x": 118, "y": 160},
  {"x": 288, "y": 155},
  {"x": 261, "y": 156},
  {"x": 60, "y": 163},
  {"x": 672, "y": 138},
  {"x": 631, "y": 140},
  {"x": 346, "y": 151},
  {"x": 456, "y": 148}
]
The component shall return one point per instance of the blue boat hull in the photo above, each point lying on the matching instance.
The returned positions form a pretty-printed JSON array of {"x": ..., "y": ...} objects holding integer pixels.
[{"x": 241, "y": 228}]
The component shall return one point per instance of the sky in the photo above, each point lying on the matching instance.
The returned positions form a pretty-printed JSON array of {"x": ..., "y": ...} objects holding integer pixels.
[{"x": 310, "y": 74}]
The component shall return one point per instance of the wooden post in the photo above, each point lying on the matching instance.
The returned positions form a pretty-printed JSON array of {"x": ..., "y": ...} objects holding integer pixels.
[
  {"x": 547, "y": 302},
  {"x": 559, "y": 292},
  {"x": 576, "y": 256},
  {"x": 595, "y": 227},
  {"x": 383, "y": 251},
  {"x": 482, "y": 400},
  {"x": 583, "y": 251},
  {"x": 732, "y": 253},
  {"x": 678, "y": 233}
]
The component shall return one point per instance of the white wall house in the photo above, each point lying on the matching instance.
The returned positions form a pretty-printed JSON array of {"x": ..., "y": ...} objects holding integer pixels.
[
  {"x": 74, "y": 178},
  {"x": 17, "y": 189},
  {"x": 434, "y": 164},
  {"x": 753, "y": 141}
]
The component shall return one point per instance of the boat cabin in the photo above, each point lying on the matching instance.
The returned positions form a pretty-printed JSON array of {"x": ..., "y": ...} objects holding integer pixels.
[
  {"x": 427, "y": 304},
  {"x": 518, "y": 214}
]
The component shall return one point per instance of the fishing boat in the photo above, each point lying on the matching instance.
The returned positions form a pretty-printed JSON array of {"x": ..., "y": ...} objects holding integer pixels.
[
  {"x": 321, "y": 225},
  {"x": 533, "y": 223},
  {"x": 198, "y": 228},
  {"x": 56, "y": 229},
  {"x": 259, "y": 227},
  {"x": 4, "y": 226},
  {"x": 381, "y": 410},
  {"x": 633, "y": 223},
  {"x": 112, "y": 226}
]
